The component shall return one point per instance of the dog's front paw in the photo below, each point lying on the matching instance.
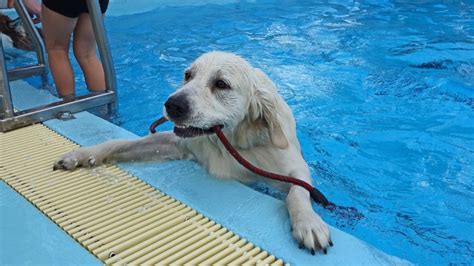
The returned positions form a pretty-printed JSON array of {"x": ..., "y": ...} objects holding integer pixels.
[
  {"x": 77, "y": 158},
  {"x": 311, "y": 232}
]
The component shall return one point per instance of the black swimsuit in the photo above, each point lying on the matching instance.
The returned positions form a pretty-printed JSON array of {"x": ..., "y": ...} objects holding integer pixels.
[{"x": 72, "y": 8}]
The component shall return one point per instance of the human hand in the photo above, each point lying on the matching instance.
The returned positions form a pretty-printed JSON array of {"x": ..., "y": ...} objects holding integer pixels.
[{"x": 34, "y": 8}]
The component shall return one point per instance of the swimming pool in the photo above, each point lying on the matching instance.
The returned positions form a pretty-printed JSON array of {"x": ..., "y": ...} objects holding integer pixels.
[{"x": 382, "y": 93}]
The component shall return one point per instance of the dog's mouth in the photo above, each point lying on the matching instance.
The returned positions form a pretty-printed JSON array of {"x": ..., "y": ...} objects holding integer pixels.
[{"x": 191, "y": 132}]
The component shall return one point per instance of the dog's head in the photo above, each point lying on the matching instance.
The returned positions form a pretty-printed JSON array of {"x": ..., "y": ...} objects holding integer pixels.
[{"x": 222, "y": 89}]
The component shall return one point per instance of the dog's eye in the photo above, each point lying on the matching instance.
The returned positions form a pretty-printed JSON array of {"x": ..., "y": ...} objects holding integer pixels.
[
  {"x": 220, "y": 84},
  {"x": 187, "y": 75}
]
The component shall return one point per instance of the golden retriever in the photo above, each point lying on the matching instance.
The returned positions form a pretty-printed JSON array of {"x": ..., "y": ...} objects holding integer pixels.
[{"x": 223, "y": 89}]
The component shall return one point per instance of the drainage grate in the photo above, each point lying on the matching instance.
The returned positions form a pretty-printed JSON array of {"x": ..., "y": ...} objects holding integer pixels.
[{"x": 117, "y": 217}]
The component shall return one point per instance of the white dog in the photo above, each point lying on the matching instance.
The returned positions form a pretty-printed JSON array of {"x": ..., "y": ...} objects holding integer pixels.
[{"x": 223, "y": 89}]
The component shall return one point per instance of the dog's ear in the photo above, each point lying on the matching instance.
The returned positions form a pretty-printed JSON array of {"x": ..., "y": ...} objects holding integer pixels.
[{"x": 264, "y": 104}]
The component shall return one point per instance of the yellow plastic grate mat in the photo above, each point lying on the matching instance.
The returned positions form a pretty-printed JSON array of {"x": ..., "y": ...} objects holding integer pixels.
[{"x": 117, "y": 217}]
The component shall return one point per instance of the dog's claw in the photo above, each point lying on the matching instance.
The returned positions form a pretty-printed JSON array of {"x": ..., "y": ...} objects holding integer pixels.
[
  {"x": 325, "y": 250},
  {"x": 311, "y": 232},
  {"x": 330, "y": 243},
  {"x": 58, "y": 165},
  {"x": 301, "y": 245}
]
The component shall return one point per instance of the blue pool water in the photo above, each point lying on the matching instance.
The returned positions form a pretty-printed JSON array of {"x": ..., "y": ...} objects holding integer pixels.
[{"x": 382, "y": 92}]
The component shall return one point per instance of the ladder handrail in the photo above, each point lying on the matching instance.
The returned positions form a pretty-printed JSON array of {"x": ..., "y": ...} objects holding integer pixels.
[
  {"x": 6, "y": 106},
  {"x": 31, "y": 31},
  {"x": 103, "y": 47}
]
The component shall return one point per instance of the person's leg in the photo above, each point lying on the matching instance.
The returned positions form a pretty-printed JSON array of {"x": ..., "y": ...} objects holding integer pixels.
[
  {"x": 85, "y": 52},
  {"x": 57, "y": 31}
]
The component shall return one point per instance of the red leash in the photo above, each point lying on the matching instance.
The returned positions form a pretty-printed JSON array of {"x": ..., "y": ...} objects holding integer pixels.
[{"x": 315, "y": 194}]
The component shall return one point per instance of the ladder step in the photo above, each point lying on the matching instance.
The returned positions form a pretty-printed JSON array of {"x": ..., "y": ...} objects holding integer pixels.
[{"x": 25, "y": 72}]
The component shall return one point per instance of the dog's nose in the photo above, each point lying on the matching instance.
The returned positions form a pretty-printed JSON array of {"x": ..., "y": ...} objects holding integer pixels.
[{"x": 177, "y": 107}]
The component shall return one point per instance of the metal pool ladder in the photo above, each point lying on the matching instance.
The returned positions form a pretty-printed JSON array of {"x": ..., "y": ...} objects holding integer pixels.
[{"x": 11, "y": 119}]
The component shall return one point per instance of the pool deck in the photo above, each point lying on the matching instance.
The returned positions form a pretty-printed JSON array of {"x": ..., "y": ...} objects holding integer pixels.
[{"x": 255, "y": 216}]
